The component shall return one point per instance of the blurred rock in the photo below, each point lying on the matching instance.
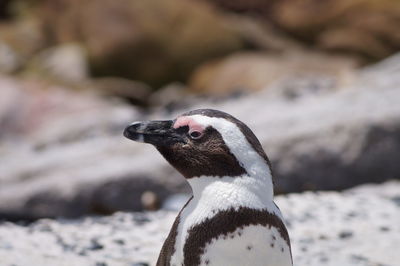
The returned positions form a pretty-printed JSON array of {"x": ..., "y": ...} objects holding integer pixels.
[
  {"x": 368, "y": 28},
  {"x": 20, "y": 40},
  {"x": 9, "y": 59},
  {"x": 315, "y": 220},
  {"x": 174, "y": 96},
  {"x": 260, "y": 35},
  {"x": 9, "y": 106},
  {"x": 63, "y": 153},
  {"x": 256, "y": 71},
  {"x": 150, "y": 201},
  {"x": 129, "y": 193},
  {"x": 44, "y": 114},
  {"x": 136, "y": 92},
  {"x": 66, "y": 63},
  {"x": 153, "y": 41},
  {"x": 5, "y": 9},
  {"x": 329, "y": 140}
]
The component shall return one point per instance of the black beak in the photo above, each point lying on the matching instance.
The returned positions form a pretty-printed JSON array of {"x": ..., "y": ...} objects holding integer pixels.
[{"x": 158, "y": 133}]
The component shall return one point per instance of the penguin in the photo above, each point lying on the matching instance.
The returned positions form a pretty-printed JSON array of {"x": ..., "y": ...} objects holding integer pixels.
[{"x": 231, "y": 218}]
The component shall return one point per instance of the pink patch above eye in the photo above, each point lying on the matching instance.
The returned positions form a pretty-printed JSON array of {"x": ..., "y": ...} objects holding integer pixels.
[{"x": 187, "y": 121}]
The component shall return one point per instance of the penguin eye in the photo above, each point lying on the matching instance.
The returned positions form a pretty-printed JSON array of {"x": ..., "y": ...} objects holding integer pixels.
[{"x": 195, "y": 134}]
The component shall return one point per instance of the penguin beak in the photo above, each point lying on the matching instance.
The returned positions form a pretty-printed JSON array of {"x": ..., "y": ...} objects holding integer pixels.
[{"x": 158, "y": 133}]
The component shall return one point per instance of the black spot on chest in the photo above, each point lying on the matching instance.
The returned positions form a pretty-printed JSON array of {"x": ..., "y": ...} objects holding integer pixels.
[{"x": 224, "y": 224}]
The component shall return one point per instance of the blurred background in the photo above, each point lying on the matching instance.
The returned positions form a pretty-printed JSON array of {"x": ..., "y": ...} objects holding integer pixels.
[{"x": 317, "y": 81}]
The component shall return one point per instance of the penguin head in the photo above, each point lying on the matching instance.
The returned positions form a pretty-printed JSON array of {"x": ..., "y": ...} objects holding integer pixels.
[{"x": 203, "y": 142}]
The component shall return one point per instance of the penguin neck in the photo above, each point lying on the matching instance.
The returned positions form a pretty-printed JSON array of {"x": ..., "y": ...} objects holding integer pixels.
[{"x": 254, "y": 189}]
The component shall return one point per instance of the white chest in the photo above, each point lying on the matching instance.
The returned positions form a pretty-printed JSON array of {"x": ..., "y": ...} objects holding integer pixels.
[{"x": 251, "y": 245}]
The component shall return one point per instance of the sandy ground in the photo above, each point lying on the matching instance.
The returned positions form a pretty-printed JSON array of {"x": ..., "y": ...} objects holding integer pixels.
[{"x": 356, "y": 227}]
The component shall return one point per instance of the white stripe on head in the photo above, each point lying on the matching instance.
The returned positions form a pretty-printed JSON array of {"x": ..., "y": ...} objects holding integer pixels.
[
  {"x": 237, "y": 143},
  {"x": 247, "y": 156}
]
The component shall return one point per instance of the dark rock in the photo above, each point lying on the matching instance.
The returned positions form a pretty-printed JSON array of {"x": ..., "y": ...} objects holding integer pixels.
[
  {"x": 5, "y": 9},
  {"x": 120, "y": 241},
  {"x": 136, "y": 92},
  {"x": 95, "y": 245},
  {"x": 126, "y": 194},
  {"x": 396, "y": 200},
  {"x": 345, "y": 234},
  {"x": 384, "y": 228}
]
